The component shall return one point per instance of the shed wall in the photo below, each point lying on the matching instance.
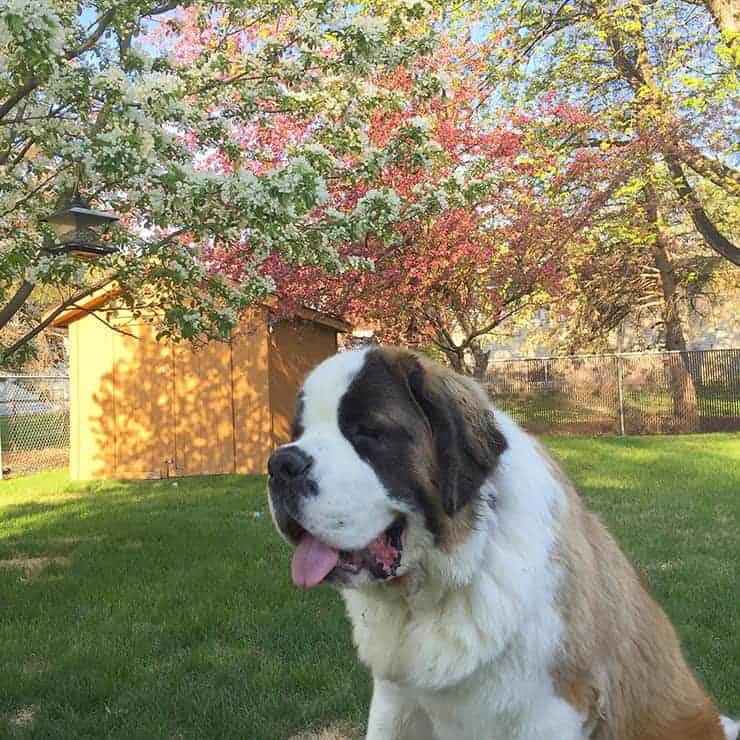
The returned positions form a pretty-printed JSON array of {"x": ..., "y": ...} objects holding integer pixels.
[
  {"x": 203, "y": 415},
  {"x": 141, "y": 408},
  {"x": 251, "y": 393},
  {"x": 143, "y": 400},
  {"x": 295, "y": 348},
  {"x": 91, "y": 411}
]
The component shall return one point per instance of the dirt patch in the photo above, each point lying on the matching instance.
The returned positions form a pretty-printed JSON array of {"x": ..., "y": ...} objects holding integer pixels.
[
  {"x": 75, "y": 540},
  {"x": 32, "y": 568},
  {"x": 22, "y": 719},
  {"x": 674, "y": 564},
  {"x": 36, "y": 664},
  {"x": 332, "y": 732},
  {"x": 131, "y": 545}
]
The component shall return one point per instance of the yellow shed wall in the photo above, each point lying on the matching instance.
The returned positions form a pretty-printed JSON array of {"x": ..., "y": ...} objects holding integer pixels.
[
  {"x": 91, "y": 403},
  {"x": 204, "y": 421},
  {"x": 251, "y": 393},
  {"x": 295, "y": 348},
  {"x": 141, "y": 408},
  {"x": 143, "y": 398}
]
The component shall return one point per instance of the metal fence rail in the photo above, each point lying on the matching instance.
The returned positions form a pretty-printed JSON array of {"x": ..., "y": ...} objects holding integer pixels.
[
  {"x": 631, "y": 393},
  {"x": 34, "y": 423}
]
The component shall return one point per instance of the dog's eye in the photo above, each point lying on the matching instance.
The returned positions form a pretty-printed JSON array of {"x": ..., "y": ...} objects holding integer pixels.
[{"x": 366, "y": 432}]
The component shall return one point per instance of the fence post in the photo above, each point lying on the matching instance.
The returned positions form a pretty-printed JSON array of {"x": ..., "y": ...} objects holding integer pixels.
[{"x": 621, "y": 394}]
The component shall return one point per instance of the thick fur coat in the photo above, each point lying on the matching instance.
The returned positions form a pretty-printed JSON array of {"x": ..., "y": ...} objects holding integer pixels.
[{"x": 487, "y": 602}]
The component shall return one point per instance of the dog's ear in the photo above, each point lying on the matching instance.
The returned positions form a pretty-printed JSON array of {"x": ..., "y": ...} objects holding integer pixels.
[{"x": 466, "y": 440}]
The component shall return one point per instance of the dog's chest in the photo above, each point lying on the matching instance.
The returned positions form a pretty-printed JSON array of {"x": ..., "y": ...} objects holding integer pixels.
[
  {"x": 489, "y": 707},
  {"x": 475, "y": 668},
  {"x": 433, "y": 645}
]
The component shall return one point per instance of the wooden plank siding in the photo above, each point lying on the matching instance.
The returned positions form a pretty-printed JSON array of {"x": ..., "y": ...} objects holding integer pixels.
[
  {"x": 250, "y": 349},
  {"x": 295, "y": 348},
  {"x": 146, "y": 409}
]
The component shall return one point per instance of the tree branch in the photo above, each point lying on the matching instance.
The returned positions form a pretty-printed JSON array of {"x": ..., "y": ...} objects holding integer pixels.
[
  {"x": 49, "y": 318},
  {"x": 721, "y": 175},
  {"x": 713, "y": 238},
  {"x": 102, "y": 25},
  {"x": 14, "y": 305},
  {"x": 164, "y": 8},
  {"x": 726, "y": 17},
  {"x": 96, "y": 315}
]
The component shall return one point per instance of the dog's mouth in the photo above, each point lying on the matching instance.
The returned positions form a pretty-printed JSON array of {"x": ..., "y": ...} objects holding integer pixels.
[{"x": 315, "y": 561}]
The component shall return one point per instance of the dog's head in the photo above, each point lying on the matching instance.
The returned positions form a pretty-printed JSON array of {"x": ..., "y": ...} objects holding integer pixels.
[{"x": 388, "y": 456}]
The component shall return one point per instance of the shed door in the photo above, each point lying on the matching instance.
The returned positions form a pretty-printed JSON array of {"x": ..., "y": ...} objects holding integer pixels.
[
  {"x": 204, "y": 418},
  {"x": 142, "y": 370}
]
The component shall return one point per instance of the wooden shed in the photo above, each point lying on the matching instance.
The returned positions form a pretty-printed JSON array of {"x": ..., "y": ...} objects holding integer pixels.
[{"x": 146, "y": 409}]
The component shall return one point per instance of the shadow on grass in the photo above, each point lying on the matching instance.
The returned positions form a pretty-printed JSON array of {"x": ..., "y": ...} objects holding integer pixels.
[{"x": 165, "y": 609}]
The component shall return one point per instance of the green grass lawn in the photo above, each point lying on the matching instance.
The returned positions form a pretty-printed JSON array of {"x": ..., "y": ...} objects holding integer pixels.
[{"x": 165, "y": 609}]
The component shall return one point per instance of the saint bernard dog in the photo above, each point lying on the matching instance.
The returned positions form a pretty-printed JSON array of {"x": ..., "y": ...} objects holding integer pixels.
[{"x": 487, "y": 602}]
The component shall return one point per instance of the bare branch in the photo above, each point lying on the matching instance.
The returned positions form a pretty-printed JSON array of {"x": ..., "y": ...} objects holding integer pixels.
[
  {"x": 49, "y": 318},
  {"x": 96, "y": 315}
]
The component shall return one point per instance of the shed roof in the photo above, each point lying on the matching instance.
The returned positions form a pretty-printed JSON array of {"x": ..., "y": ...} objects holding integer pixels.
[{"x": 100, "y": 297}]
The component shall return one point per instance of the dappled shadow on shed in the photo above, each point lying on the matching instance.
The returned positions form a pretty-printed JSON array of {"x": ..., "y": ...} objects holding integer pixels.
[{"x": 167, "y": 409}]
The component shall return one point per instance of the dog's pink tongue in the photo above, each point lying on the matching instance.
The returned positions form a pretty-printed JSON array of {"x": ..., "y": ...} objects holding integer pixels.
[{"x": 312, "y": 561}]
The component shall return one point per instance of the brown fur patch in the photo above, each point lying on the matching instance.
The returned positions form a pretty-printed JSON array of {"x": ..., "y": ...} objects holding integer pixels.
[
  {"x": 622, "y": 665},
  {"x": 464, "y": 443}
]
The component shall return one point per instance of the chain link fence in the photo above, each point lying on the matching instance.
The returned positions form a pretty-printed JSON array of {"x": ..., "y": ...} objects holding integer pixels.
[
  {"x": 631, "y": 393},
  {"x": 34, "y": 423}
]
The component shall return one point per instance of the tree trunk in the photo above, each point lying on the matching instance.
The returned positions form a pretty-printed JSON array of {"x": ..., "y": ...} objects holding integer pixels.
[
  {"x": 15, "y": 304},
  {"x": 480, "y": 356},
  {"x": 725, "y": 14},
  {"x": 457, "y": 361},
  {"x": 640, "y": 74},
  {"x": 710, "y": 233},
  {"x": 683, "y": 391}
]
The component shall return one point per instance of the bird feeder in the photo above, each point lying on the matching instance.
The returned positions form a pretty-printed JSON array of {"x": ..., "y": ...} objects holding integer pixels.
[{"x": 77, "y": 228}]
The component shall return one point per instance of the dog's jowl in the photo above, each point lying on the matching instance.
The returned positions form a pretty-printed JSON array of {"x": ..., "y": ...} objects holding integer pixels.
[{"x": 487, "y": 602}]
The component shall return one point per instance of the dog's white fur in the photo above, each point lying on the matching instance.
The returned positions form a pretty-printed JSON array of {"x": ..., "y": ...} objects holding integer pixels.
[
  {"x": 342, "y": 521},
  {"x": 467, "y": 651},
  {"x": 731, "y": 728}
]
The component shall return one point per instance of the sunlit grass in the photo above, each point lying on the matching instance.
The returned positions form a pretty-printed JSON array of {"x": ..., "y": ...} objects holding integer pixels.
[{"x": 165, "y": 608}]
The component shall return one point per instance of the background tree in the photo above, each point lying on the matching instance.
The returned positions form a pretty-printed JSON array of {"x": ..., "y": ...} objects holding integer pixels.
[
  {"x": 661, "y": 78},
  {"x": 484, "y": 229},
  {"x": 657, "y": 73},
  {"x": 127, "y": 101}
]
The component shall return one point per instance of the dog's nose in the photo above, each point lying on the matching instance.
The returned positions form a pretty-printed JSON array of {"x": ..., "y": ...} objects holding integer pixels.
[{"x": 288, "y": 462}]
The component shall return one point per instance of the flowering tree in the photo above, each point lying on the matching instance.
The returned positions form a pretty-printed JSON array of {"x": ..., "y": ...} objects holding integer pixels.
[
  {"x": 482, "y": 228},
  {"x": 147, "y": 108}
]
